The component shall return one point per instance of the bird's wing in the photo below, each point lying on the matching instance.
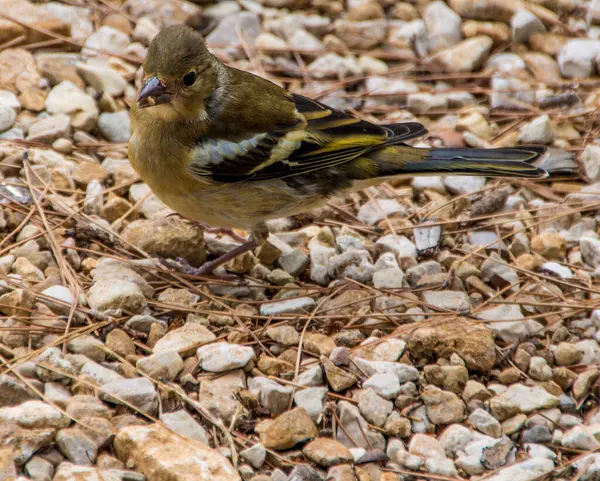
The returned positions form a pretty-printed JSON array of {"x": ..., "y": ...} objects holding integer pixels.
[{"x": 327, "y": 138}]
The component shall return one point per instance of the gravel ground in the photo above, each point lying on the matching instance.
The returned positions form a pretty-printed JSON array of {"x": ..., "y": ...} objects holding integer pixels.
[{"x": 439, "y": 328}]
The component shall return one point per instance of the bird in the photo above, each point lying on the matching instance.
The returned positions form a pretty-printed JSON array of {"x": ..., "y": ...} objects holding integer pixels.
[{"x": 227, "y": 148}]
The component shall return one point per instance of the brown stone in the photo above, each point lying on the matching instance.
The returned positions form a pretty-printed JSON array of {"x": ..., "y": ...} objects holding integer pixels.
[
  {"x": 338, "y": 378},
  {"x": 18, "y": 71},
  {"x": 549, "y": 43},
  {"x": 497, "y": 10},
  {"x": 499, "y": 32},
  {"x": 170, "y": 237},
  {"x": 318, "y": 344},
  {"x": 118, "y": 22},
  {"x": 115, "y": 208},
  {"x": 287, "y": 430},
  {"x": 85, "y": 172},
  {"x": 543, "y": 67},
  {"x": 272, "y": 366},
  {"x": 549, "y": 245},
  {"x": 474, "y": 343},
  {"x": 120, "y": 343},
  {"x": 161, "y": 454},
  {"x": 327, "y": 452}
]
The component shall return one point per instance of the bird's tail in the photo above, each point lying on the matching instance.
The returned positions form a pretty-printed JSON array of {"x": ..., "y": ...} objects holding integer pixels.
[{"x": 506, "y": 162}]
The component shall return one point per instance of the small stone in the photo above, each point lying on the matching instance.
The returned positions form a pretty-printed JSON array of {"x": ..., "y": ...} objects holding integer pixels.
[
  {"x": 374, "y": 408},
  {"x": 313, "y": 400},
  {"x": 510, "y": 375},
  {"x": 164, "y": 365},
  {"x": 118, "y": 294},
  {"x": 145, "y": 30},
  {"x": 222, "y": 356},
  {"x": 120, "y": 343},
  {"x": 108, "y": 39},
  {"x": 184, "y": 339},
  {"x": 404, "y": 372},
  {"x": 24, "y": 268},
  {"x": 318, "y": 344},
  {"x": 524, "y": 398},
  {"x": 364, "y": 34},
  {"x": 76, "y": 446},
  {"x": 338, "y": 378},
  {"x": 427, "y": 239},
  {"x": 443, "y": 407},
  {"x": 516, "y": 328},
  {"x": 498, "y": 31},
  {"x": 426, "y": 447},
  {"x": 332, "y": 65},
  {"x": 7, "y": 117},
  {"x": 299, "y": 304},
  {"x": 86, "y": 172},
  {"x": 583, "y": 383},
  {"x": 590, "y": 250},
  {"x": 590, "y": 161},
  {"x": 170, "y": 237},
  {"x": 273, "y": 396},
  {"x": 285, "y": 335},
  {"x": 385, "y": 385},
  {"x": 89, "y": 346},
  {"x": 422, "y": 103},
  {"x": 255, "y": 455},
  {"x": 524, "y": 24},
  {"x": 185, "y": 459},
  {"x": 539, "y": 370},
  {"x": 138, "y": 392},
  {"x": 485, "y": 423},
  {"x": 467, "y": 56},
  {"x": 397, "y": 425},
  {"x": 536, "y": 434},
  {"x": 246, "y": 22},
  {"x": 115, "y": 126},
  {"x": 448, "y": 300},
  {"x": 373, "y": 212},
  {"x": 538, "y": 131},
  {"x": 443, "y": 26},
  {"x": 356, "y": 428},
  {"x": 184, "y": 424},
  {"x": 178, "y": 297},
  {"x": 510, "y": 93},
  {"x": 287, "y": 430},
  {"x": 580, "y": 437},
  {"x": 293, "y": 262},
  {"x": 103, "y": 79},
  {"x": 34, "y": 415},
  {"x": 392, "y": 278},
  {"x": 576, "y": 58},
  {"x": 39, "y": 469},
  {"x": 473, "y": 343},
  {"x": 327, "y": 452},
  {"x": 49, "y": 129}
]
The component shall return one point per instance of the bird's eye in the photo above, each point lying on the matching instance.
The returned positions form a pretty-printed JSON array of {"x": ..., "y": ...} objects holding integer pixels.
[{"x": 189, "y": 79}]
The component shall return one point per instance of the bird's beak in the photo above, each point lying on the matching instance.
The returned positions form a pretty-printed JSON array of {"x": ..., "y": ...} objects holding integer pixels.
[{"x": 154, "y": 92}]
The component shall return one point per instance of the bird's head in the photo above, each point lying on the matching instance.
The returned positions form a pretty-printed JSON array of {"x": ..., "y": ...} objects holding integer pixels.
[{"x": 180, "y": 75}]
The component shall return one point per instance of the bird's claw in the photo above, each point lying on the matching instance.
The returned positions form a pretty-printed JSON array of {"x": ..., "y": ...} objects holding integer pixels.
[{"x": 205, "y": 270}]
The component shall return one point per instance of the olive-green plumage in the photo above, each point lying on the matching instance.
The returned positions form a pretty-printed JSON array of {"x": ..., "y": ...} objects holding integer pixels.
[{"x": 228, "y": 148}]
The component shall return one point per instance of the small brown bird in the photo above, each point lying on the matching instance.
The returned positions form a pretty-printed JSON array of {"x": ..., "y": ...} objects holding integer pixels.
[{"x": 227, "y": 148}]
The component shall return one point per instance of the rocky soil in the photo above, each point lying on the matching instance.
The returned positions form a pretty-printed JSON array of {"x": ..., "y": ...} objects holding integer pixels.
[{"x": 438, "y": 328}]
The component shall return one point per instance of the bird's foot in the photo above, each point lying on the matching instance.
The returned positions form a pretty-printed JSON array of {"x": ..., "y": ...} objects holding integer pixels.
[{"x": 207, "y": 268}]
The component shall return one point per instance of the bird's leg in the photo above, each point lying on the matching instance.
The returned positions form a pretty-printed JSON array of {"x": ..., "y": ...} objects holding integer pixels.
[{"x": 257, "y": 238}]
